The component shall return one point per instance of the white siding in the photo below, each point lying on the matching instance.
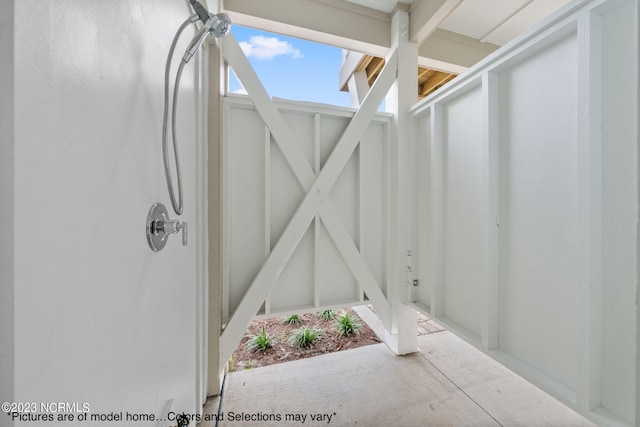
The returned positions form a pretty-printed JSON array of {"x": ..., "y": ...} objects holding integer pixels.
[
  {"x": 98, "y": 316},
  {"x": 529, "y": 209}
]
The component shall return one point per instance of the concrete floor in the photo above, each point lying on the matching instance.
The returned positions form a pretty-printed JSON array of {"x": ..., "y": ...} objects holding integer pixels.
[{"x": 446, "y": 383}]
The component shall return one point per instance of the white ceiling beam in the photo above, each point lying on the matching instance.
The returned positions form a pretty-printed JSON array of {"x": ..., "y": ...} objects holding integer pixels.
[
  {"x": 452, "y": 52},
  {"x": 333, "y": 22},
  {"x": 426, "y": 15},
  {"x": 358, "y": 28},
  {"x": 504, "y": 20}
]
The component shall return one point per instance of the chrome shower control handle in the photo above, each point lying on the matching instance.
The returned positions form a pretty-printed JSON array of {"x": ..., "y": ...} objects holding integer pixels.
[
  {"x": 159, "y": 227},
  {"x": 182, "y": 226},
  {"x": 173, "y": 227}
]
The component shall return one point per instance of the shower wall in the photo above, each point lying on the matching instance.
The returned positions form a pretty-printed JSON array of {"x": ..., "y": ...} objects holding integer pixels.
[{"x": 89, "y": 313}]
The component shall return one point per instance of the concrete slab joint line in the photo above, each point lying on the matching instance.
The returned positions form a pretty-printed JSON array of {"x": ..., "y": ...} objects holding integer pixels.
[
  {"x": 432, "y": 388},
  {"x": 459, "y": 388},
  {"x": 315, "y": 201}
]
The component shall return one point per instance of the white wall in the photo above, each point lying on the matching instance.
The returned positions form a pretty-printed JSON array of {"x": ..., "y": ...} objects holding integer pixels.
[
  {"x": 6, "y": 202},
  {"x": 98, "y": 316},
  {"x": 462, "y": 185},
  {"x": 539, "y": 269},
  {"x": 529, "y": 207}
]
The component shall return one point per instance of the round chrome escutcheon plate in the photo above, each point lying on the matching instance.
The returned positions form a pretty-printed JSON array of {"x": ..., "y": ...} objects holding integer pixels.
[{"x": 156, "y": 238}]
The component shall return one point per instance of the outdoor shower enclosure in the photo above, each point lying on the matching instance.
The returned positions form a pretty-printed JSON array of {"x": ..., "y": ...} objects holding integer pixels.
[{"x": 522, "y": 204}]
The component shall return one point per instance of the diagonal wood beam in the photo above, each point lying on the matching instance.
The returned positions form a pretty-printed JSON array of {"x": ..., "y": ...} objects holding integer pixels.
[
  {"x": 269, "y": 113},
  {"x": 427, "y": 15},
  {"x": 300, "y": 166},
  {"x": 317, "y": 196}
]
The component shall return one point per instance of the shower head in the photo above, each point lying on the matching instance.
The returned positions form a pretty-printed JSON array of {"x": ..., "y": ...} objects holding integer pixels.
[{"x": 218, "y": 25}]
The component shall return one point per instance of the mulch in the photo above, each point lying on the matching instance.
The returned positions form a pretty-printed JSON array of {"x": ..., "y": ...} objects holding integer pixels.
[{"x": 329, "y": 341}]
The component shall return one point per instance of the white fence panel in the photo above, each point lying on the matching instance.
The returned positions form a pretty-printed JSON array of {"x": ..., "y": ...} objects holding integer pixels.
[
  {"x": 539, "y": 236},
  {"x": 262, "y": 195},
  {"x": 528, "y": 207},
  {"x": 246, "y": 208},
  {"x": 462, "y": 220}
]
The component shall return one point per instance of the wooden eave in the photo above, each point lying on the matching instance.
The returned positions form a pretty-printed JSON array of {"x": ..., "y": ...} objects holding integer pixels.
[{"x": 429, "y": 80}]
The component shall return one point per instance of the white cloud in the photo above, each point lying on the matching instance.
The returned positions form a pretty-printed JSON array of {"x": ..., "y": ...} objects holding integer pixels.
[
  {"x": 241, "y": 91},
  {"x": 261, "y": 47}
]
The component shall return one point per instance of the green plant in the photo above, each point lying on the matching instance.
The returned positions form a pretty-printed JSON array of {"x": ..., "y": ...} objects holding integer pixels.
[
  {"x": 259, "y": 342},
  {"x": 347, "y": 324},
  {"x": 326, "y": 314},
  {"x": 304, "y": 336},
  {"x": 293, "y": 319}
]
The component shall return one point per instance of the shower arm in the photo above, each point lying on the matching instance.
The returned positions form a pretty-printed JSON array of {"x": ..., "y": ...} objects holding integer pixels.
[{"x": 202, "y": 11}]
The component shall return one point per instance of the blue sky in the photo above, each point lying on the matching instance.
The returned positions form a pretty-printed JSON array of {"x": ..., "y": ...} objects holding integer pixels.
[{"x": 292, "y": 68}]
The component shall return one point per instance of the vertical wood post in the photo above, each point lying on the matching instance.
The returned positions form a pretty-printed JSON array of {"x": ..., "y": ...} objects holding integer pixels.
[
  {"x": 215, "y": 367},
  {"x": 436, "y": 142},
  {"x": 491, "y": 208},
  {"x": 402, "y": 338},
  {"x": 590, "y": 219}
]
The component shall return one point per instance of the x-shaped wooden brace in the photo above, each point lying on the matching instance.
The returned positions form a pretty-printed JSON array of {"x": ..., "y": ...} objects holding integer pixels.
[{"x": 316, "y": 200}]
